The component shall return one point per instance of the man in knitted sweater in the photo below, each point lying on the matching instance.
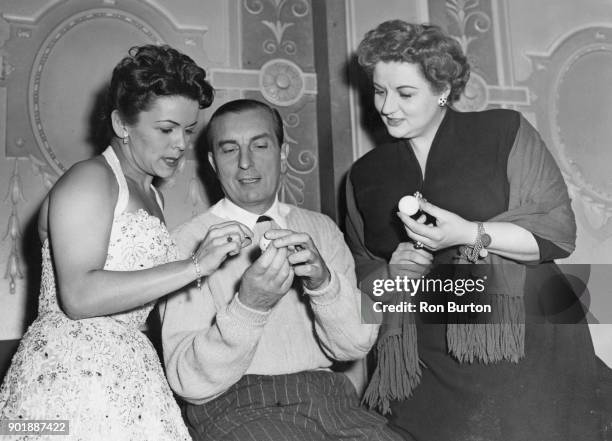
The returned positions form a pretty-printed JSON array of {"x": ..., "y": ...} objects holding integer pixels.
[{"x": 250, "y": 351}]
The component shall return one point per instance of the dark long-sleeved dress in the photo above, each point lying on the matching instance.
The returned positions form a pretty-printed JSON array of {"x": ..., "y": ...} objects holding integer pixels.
[{"x": 551, "y": 393}]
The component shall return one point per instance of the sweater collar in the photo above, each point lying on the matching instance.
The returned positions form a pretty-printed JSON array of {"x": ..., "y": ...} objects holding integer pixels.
[{"x": 226, "y": 209}]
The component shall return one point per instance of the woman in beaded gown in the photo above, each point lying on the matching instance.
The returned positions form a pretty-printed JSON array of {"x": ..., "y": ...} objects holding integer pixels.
[{"x": 107, "y": 257}]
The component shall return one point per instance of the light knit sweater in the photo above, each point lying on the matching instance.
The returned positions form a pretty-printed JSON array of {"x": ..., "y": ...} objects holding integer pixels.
[{"x": 210, "y": 339}]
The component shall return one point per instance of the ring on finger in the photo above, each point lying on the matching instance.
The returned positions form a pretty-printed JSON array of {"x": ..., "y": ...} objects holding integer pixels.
[{"x": 418, "y": 245}]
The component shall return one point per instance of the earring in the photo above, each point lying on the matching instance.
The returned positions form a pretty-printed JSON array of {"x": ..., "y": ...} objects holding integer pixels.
[
  {"x": 442, "y": 101},
  {"x": 125, "y": 140}
]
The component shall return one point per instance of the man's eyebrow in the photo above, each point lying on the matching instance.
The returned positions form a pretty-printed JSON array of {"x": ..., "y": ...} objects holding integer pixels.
[
  {"x": 223, "y": 142},
  {"x": 260, "y": 136}
]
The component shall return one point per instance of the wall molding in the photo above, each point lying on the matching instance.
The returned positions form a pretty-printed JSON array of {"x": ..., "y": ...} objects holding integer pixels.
[
  {"x": 557, "y": 97},
  {"x": 42, "y": 57}
]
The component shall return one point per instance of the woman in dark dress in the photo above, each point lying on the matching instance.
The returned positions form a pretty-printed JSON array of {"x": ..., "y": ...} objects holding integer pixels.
[{"x": 494, "y": 197}]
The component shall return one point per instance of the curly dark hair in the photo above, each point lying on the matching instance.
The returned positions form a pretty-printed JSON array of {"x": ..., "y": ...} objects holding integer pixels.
[
  {"x": 439, "y": 56},
  {"x": 151, "y": 71}
]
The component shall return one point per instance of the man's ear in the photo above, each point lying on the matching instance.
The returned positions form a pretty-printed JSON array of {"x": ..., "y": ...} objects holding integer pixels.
[
  {"x": 283, "y": 157},
  {"x": 119, "y": 127},
  {"x": 211, "y": 160}
]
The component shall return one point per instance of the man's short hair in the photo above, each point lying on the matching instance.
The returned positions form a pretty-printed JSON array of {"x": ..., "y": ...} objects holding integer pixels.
[{"x": 243, "y": 105}]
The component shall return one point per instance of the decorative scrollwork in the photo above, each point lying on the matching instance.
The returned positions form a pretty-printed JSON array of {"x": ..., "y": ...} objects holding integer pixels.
[
  {"x": 292, "y": 120},
  {"x": 278, "y": 26},
  {"x": 24, "y": 33},
  {"x": 289, "y": 47},
  {"x": 254, "y": 7},
  {"x": 291, "y": 189},
  {"x": 301, "y": 8},
  {"x": 292, "y": 186},
  {"x": 269, "y": 46},
  {"x": 13, "y": 232},
  {"x": 297, "y": 163},
  {"x": 461, "y": 11},
  {"x": 306, "y": 160}
]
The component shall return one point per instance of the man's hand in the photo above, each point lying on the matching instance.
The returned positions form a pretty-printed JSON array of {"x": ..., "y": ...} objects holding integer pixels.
[
  {"x": 267, "y": 280},
  {"x": 303, "y": 256},
  {"x": 409, "y": 261}
]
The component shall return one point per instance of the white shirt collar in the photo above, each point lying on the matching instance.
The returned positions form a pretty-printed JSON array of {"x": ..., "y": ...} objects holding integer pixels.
[{"x": 226, "y": 209}]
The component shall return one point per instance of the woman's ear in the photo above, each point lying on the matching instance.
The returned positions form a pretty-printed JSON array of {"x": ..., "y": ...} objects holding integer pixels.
[{"x": 119, "y": 127}]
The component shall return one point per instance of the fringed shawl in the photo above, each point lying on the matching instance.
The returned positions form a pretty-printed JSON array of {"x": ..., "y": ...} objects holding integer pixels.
[{"x": 538, "y": 202}]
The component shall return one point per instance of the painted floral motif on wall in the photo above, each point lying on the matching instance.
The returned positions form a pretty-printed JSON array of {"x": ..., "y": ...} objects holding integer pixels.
[{"x": 278, "y": 41}]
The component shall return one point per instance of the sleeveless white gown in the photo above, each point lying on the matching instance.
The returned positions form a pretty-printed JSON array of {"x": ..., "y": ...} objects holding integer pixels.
[{"x": 102, "y": 374}]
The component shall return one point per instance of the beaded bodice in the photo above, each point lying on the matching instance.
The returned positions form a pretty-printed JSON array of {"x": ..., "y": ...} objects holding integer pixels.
[{"x": 137, "y": 241}]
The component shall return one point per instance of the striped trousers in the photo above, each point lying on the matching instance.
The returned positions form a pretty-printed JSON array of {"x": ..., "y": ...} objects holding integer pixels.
[{"x": 306, "y": 406}]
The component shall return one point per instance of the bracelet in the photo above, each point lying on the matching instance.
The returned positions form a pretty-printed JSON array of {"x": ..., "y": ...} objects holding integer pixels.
[
  {"x": 197, "y": 270},
  {"x": 479, "y": 249},
  {"x": 485, "y": 239}
]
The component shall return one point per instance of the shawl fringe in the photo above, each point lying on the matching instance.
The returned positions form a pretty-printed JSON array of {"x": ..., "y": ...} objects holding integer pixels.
[{"x": 398, "y": 369}]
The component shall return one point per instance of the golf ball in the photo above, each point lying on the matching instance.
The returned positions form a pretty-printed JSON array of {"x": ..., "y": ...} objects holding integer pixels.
[{"x": 409, "y": 205}]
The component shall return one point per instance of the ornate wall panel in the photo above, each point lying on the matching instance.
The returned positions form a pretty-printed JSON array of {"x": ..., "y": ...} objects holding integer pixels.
[
  {"x": 277, "y": 29},
  {"x": 480, "y": 27},
  {"x": 471, "y": 22},
  {"x": 277, "y": 41},
  {"x": 55, "y": 58},
  {"x": 60, "y": 57},
  {"x": 574, "y": 116}
]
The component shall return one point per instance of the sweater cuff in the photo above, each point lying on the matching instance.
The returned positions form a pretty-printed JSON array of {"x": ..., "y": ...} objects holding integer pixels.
[
  {"x": 326, "y": 295},
  {"x": 244, "y": 314}
]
